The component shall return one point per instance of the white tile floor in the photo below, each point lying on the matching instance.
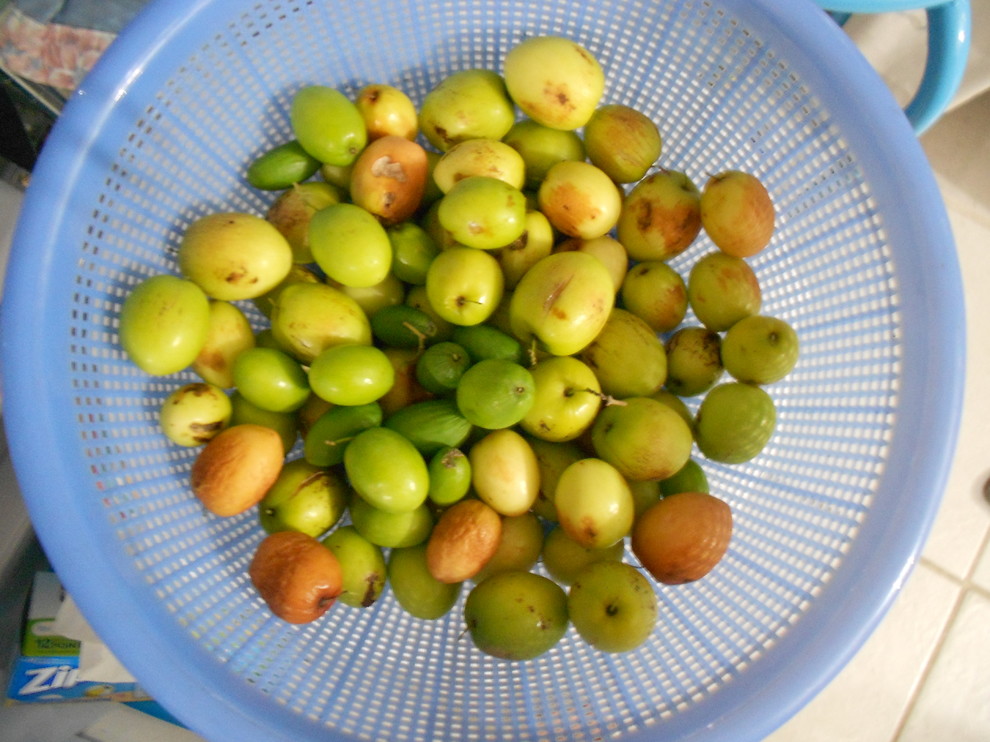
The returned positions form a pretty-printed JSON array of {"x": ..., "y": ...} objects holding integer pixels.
[{"x": 924, "y": 675}]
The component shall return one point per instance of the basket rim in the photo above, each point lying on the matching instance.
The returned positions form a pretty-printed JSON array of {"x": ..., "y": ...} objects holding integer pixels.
[{"x": 850, "y": 605}]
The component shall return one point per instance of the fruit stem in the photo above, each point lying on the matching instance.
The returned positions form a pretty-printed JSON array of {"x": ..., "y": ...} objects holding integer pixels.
[
  {"x": 608, "y": 399},
  {"x": 420, "y": 335}
]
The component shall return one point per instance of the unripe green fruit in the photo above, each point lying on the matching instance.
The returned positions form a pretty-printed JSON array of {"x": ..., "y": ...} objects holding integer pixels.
[
  {"x": 642, "y": 438},
  {"x": 351, "y": 374},
  {"x": 412, "y": 252},
  {"x": 722, "y": 289},
  {"x": 516, "y": 615},
  {"x": 760, "y": 349},
  {"x": 450, "y": 476},
  {"x": 281, "y": 167},
  {"x": 519, "y": 547},
  {"x": 483, "y": 212},
  {"x": 431, "y": 424},
  {"x": 328, "y": 125},
  {"x": 542, "y": 147},
  {"x": 350, "y": 245},
  {"x": 622, "y": 141},
  {"x": 164, "y": 323},
  {"x": 419, "y": 593},
  {"x": 283, "y": 423},
  {"x": 391, "y": 530},
  {"x": 564, "y": 558},
  {"x": 362, "y": 566},
  {"x": 691, "y": 478},
  {"x": 467, "y": 104},
  {"x": 328, "y": 437},
  {"x": 386, "y": 470},
  {"x": 627, "y": 356},
  {"x": 693, "y": 361},
  {"x": 440, "y": 367},
  {"x": 304, "y": 498},
  {"x": 495, "y": 393},
  {"x": 735, "y": 421},
  {"x": 292, "y": 211}
]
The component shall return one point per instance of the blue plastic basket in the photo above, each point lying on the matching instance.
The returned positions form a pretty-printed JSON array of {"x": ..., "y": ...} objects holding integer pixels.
[{"x": 828, "y": 520}]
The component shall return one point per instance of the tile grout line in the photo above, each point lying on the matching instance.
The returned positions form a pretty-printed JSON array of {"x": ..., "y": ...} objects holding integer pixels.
[
  {"x": 930, "y": 661},
  {"x": 966, "y": 586}
]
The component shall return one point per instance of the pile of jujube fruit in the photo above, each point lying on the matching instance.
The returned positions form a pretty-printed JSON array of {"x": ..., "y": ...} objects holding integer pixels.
[{"x": 474, "y": 370}]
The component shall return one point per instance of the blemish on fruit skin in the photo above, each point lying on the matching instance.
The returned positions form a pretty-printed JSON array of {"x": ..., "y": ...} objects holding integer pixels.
[
  {"x": 587, "y": 528},
  {"x": 371, "y": 592},
  {"x": 712, "y": 343},
  {"x": 552, "y": 296},
  {"x": 197, "y": 389},
  {"x": 211, "y": 360},
  {"x": 203, "y": 432},
  {"x": 585, "y": 55},
  {"x": 519, "y": 243},
  {"x": 449, "y": 460},
  {"x": 644, "y": 215},
  {"x": 558, "y": 94},
  {"x": 386, "y": 167},
  {"x": 443, "y": 135}
]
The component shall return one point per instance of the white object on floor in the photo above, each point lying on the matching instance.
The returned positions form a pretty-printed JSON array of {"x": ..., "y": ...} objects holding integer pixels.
[{"x": 96, "y": 662}]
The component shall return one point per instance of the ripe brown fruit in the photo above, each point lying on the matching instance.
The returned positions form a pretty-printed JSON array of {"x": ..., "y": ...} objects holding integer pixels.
[
  {"x": 298, "y": 577},
  {"x": 236, "y": 468},
  {"x": 682, "y": 537},
  {"x": 464, "y": 539}
]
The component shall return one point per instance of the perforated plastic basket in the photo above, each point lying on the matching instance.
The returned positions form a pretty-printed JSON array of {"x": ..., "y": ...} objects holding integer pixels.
[{"x": 828, "y": 520}]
